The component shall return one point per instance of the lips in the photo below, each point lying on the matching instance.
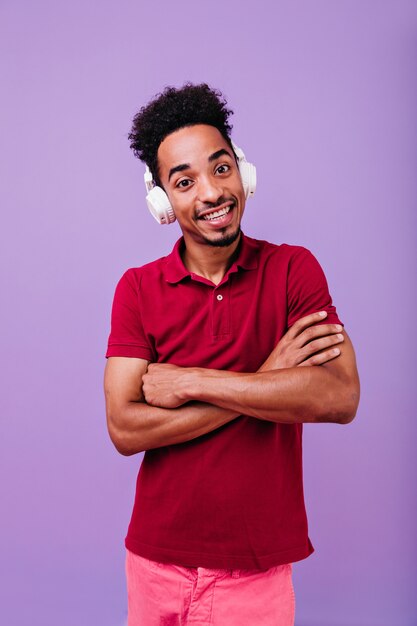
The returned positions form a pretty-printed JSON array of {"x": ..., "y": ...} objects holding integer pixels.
[{"x": 216, "y": 212}]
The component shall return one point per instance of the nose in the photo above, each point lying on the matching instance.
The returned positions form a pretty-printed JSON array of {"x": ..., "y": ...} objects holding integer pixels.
[{"x": 210, "y": 190}]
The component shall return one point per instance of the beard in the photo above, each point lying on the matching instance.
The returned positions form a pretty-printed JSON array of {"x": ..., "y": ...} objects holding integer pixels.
[{"x": 225, "y": 240}]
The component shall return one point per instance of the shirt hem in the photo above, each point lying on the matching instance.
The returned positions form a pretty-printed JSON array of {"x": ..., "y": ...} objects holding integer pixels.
[{"x": 219, "y": 561}]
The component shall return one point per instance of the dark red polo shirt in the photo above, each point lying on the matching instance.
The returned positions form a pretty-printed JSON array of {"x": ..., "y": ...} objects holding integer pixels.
[{"x": 232, "y": 498}]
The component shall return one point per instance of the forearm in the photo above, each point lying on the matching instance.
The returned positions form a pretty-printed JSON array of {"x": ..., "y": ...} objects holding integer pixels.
[
  {"x": 303, "y": 379},
  {"x": 310, "y": 394},
  {"x": 140, "y": 427},
  {"x": 137, "y": 425}
]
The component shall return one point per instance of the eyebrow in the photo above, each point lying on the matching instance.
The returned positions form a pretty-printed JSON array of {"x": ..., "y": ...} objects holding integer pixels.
[
  {"x": 187, "y": 166},
  {"x": 178, "y": 168},
  {"x": 218, "y": 154}
]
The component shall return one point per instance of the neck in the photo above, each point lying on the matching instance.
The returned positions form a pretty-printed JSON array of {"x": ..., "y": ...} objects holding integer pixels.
[{"x": 211, "y": 262}]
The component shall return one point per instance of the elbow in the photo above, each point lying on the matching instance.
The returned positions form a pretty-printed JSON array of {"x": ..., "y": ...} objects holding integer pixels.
[
  {"x": 123, "y": 447},
  {"x": 122, "y": 438},
  {"x": 121, "y": 443},
  {"x": 346, "y": 417},
  {"x": 351, "y": 402},
  {"x": 342, "y": 406}
]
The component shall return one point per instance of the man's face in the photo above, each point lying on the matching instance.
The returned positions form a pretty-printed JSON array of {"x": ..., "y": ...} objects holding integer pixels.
[{"x": 199, "y": 173}]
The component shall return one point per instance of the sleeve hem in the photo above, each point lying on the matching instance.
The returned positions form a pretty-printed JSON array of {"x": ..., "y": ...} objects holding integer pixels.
[{"x": 138, "y": 352}]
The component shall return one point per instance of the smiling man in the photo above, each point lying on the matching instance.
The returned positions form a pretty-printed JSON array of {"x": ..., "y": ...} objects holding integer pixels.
[{"x": 218, "y": 353}]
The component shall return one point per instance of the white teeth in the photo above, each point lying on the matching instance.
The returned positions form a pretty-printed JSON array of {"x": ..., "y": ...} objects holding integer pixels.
[{"x": 215, "y": 214}]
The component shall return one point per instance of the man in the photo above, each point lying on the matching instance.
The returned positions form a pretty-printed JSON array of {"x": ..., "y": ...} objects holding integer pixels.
[{"x": 218, "y": 353}]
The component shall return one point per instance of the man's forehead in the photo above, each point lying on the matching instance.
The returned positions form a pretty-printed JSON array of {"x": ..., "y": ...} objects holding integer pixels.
[{"x": 191, "y": 143}]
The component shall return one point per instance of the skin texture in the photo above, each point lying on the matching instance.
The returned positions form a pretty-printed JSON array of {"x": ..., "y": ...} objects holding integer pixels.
[{"x": 303, "y": 380}]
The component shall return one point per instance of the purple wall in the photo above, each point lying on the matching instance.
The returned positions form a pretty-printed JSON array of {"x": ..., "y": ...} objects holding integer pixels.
[{"x": 325, "y": 95}]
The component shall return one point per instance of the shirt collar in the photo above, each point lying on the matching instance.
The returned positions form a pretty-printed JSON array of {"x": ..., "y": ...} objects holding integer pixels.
[{"x": 247, "y": 259}]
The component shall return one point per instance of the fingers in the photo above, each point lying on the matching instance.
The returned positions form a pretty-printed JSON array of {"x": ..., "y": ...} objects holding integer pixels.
[
  {"x": 319, "y": 340},
  {"x": 321, "y": 357},
  {"x": 305, "y": 322},
  {"x": 311, "y": 334},
  {"x": 321, "y": 350},
  {"x": 318, "y": 345}
]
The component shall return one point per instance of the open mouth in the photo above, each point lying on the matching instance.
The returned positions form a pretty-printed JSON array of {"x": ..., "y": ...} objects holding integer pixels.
[{"x": 218, "y": 214}]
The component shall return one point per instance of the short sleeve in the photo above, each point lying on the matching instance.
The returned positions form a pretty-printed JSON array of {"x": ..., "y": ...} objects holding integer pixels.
[
  {"x": 307, "y": 289},
  {"x": 127, "y": 336}
]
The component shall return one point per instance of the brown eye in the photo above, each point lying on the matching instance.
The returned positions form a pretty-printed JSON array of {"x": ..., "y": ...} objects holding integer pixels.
[
  {"x": 223, "y": 168},
  {"x": 184, "y": 183}
]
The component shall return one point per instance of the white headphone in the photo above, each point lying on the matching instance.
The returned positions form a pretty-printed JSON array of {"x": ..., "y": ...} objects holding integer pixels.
[{"x": 160, "y": 206}]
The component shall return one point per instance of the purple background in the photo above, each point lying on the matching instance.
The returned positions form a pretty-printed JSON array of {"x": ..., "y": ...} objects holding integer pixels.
[{"x": 325, "y": 95}]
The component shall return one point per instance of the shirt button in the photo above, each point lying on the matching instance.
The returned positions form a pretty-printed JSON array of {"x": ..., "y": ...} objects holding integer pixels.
[{"x": 219, "y": 297}]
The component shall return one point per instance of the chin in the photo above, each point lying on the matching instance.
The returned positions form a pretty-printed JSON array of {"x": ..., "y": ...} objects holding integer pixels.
[{"x": 224, "y": 240}]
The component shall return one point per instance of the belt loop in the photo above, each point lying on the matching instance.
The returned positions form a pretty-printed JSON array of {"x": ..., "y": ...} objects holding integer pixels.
[{"x": 235, "y": 573}]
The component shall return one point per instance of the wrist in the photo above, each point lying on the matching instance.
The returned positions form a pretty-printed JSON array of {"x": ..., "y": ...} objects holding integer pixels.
[
  {"x": 200, "y": 384},
  {"x": 189, "y": 383}
]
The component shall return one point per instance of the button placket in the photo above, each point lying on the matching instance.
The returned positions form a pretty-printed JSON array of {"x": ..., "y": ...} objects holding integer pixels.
[{"x": 221, "y": 310}]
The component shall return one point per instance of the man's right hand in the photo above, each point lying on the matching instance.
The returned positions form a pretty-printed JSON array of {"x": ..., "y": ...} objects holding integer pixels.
[{"x": 306, "y": 343}]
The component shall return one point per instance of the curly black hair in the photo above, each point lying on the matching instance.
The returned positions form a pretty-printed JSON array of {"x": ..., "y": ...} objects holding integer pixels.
[{"x": 171, "y": 110}]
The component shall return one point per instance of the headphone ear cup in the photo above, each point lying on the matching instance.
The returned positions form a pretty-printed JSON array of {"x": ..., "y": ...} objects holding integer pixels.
[
  {"x": 160, "y": 206},
  {"x": 248, "y": 175}
]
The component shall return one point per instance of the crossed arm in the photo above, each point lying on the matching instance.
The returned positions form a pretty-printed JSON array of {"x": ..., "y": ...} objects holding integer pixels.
[{"x": 154, "y": 405}]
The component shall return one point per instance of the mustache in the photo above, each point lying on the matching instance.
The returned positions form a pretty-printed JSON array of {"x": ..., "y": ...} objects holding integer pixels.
[{"x": 214, "y": 205}]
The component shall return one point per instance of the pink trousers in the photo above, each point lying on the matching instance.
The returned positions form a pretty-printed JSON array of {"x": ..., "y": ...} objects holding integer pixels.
[{"x": 170, "y": 595}]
